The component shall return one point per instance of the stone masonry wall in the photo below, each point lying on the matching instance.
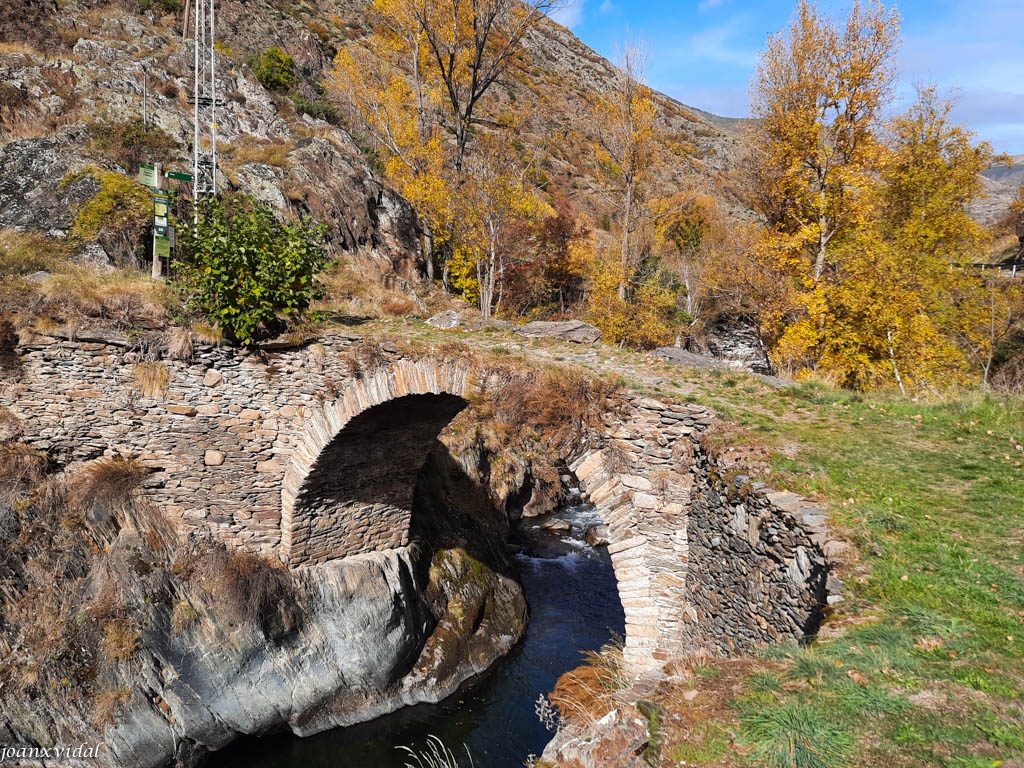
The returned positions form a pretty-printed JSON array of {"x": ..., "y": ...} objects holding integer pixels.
[
  {"x": 760, "y": 565},
  {"x": 217, "y": 441}
]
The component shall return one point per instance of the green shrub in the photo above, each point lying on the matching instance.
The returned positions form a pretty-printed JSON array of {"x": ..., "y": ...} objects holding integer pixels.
[
  {"x": 245, "y": 270},
  {"x": 275, "y": 69},
  {"x": 129, "y": 143},
  {"x": 322, "y": 110},
  {"x": 121, "y": 205}
]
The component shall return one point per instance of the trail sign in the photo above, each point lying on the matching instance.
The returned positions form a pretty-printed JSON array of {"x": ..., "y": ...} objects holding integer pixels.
[
  {"x": 180, "y": 176},
  {"x": 148, "y": 176},
  {"x": 161, "y": 247},
  {"x": 161, "y": 212}
]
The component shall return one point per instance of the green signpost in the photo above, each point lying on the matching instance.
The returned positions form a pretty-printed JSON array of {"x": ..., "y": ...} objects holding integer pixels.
[
  {"x": 163, "y": 233},
  {"x": 161, "y": 212}
]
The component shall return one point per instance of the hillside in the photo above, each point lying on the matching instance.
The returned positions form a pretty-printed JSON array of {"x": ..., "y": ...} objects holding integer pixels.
[
  {"x": 204, "y": 537},
  {"x": 82, "y": 66},
  {"x": 1008, "y": 175}
]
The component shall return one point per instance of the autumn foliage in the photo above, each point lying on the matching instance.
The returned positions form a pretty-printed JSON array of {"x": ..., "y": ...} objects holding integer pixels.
[{"x": 864, "y": 215}]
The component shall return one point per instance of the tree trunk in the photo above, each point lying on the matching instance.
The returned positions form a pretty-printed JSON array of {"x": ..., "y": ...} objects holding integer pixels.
[
  {"x": 626, "y": 224},
  {"x": 428, "y": 254},
  {"x": 895, "y": 368}
]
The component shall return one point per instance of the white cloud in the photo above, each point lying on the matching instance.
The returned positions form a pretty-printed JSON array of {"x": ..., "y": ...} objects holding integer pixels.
[
  {"x": 707, "y": 5},
  {"x": 569, "y": 15},
  {"x": 720, "y": 44},
  {"x": 974, "y": 53},
  {"x": 607, "y": 6}
]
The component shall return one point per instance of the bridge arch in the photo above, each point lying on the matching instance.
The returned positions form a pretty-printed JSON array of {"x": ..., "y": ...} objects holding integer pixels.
[
  {"x": 349, "y": 489},
  {"x": 349, "y": 486},
  {"x": 694, "y": 566}
]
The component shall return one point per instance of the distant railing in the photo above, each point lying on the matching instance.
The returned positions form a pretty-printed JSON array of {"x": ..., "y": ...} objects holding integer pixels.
[{"x": 1008, "y": 268}]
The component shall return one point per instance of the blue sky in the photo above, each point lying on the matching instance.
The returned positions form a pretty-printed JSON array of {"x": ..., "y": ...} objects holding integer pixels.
[{"x": 704, "y": 53}]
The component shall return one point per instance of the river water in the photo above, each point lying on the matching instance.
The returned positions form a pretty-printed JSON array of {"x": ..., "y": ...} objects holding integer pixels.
[{"x": 574, "y": 606}]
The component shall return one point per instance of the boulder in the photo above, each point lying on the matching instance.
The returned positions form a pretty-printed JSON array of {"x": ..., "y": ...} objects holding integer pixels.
[
  {"x": 597, "y": 535},
  {"x": 556, "y": 525},
  {"x": 618, "y": 739},
  {"x": 446, "y": 320},
  {"x": 566, "y": 330},
  {"x": 736, "y": 340}
]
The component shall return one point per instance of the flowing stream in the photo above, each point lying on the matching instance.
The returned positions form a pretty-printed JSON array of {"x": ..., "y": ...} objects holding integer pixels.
[{"x": 574, "y": 606}]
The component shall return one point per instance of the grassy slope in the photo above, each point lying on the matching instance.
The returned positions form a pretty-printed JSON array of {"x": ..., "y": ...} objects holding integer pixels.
[
  {"x": 924, "y": 662},
  {"x": 930, "y": 669}
]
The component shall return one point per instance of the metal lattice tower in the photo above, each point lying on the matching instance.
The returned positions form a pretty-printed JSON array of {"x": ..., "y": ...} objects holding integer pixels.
[{"x": 204, "y": 99}]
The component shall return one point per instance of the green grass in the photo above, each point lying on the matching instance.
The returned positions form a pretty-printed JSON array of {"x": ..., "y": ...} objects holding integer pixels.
[
  {"x": 708, "y": 744},
  {"x": 925, "y": 665},
  {"x": 933, "y": 495}
]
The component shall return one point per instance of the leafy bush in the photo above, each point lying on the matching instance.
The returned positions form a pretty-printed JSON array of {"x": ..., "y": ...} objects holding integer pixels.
[
  {"x": 275, "y": 69},
  {"x": 321, "y": 110},
  {"x": 244, "y": 269}
]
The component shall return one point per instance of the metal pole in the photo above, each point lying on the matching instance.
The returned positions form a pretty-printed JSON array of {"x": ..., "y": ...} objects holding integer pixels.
[
  {"x": 196, "y": 83},
  {"x": 145, "y": 98},
  {"x": 213, "y": 97}
]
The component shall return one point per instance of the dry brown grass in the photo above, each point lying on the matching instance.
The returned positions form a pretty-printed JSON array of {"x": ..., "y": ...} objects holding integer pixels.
[
  {"x": 120, "y": 640},
  {"x": 179, "y": 344},
  {"x": 398, "y": 306},
  {"x": 558, "y": 405},
  {"x": 267, "y": 152},
  {"x": 249, "y": 588},
  {"x": 22, "y": 253},
  {"x": 11, "y": 427},
  {"x": 529, "y": 420},
  {"x": 586, "y": 694},
  {"x": 21, "y": 463},
  {"x": 358, "y": 289},
  {"x": 151, "y": 378},
  {"x": 126, "y": 299},
  {"x": 107, "y": 705},
  {"x": 183, "y": 616},
  {"x": 342, "y": 282},
  {"x": 105, "y": 491},
  {"x": 208, "y": 334}
]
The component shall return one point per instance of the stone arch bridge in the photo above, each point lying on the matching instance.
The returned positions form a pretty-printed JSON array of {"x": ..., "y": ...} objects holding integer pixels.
[{"x": 300, "y": 458}]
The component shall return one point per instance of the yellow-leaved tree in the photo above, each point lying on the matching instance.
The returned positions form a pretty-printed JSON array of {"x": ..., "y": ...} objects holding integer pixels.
[
  {"x": 417, "y": 86},
  {"x": 496, "y": 204},
  {"x": 817, "y": 100},
  {"x": 625, "y": 151},
  {"x": 865, "y": 218}
]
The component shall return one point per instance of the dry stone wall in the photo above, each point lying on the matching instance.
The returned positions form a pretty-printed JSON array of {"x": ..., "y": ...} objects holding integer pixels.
[
  {"x": 217, "y": 440},
  {"x": 697, "y": 568}
]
